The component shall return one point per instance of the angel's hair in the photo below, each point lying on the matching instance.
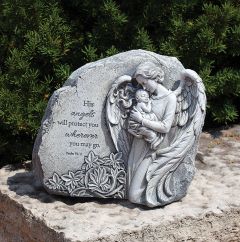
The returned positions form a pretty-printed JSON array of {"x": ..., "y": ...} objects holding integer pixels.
[
  {"x": 138, "y": 94},
  {"x": 149, "y": 70}
]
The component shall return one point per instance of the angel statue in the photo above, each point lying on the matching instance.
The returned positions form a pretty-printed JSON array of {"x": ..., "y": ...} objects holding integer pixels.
[{"x": 158, "y": 139}]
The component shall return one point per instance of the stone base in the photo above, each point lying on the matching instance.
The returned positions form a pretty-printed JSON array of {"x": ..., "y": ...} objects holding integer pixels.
[{"x": 210, "y": 211}]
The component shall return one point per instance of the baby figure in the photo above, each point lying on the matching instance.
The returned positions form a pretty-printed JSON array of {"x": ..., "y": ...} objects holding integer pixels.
[{"x": 144, "y": 106}]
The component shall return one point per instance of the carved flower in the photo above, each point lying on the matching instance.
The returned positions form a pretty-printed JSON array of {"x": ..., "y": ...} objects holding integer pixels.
[
  {"x": 99, "y": 178},
  {"x": 73, "y": 180},
  {"x": 90, "y": 161},
  {"x": 120, "y": 194},
  {"x": 115, "y": 161},
  {"x": 55, "y": 183}
]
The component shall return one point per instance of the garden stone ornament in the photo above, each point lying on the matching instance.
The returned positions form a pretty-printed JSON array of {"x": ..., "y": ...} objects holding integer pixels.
[{"x": 123, "y": 127}]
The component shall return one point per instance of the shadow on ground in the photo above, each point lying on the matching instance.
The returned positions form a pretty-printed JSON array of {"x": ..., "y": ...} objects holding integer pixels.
[{"x": 23, "y": 184}]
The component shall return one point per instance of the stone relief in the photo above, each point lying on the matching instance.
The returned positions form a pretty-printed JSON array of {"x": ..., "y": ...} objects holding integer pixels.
[
  {"x": 135, "y": 139},
  {"x": 97, "y": 177},
  {"x": 156, "y": 130}
]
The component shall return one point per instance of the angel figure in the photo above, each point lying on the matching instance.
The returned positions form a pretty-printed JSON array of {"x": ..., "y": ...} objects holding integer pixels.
[{"x": 161, "y": 174}]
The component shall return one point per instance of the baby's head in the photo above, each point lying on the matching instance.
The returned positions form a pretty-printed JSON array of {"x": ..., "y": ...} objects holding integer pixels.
[{"x": 142, "y": 96}]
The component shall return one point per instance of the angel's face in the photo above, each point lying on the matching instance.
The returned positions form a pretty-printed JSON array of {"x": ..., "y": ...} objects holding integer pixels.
[{"x": 147, "y": 84}]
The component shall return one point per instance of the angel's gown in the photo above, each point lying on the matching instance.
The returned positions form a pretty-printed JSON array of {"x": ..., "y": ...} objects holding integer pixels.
[{"x": 140, "y": 153}]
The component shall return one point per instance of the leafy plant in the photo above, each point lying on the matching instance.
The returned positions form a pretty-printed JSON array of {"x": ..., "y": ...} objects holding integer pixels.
[{"x": 42, "y": 42}]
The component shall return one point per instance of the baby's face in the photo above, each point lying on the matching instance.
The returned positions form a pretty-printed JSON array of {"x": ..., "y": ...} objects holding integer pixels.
[{"x": 143, "y": 97}]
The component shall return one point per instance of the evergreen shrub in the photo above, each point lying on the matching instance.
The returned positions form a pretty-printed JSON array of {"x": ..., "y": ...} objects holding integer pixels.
[{"x": 42, "y": 42}]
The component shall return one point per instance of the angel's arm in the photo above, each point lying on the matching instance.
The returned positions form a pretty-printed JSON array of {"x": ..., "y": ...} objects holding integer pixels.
[{"x": 165, "y": 125}]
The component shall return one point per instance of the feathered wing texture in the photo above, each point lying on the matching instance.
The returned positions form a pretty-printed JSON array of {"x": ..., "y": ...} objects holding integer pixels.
[
  {"x": 119, "y": 101},
  {"x": 164, "y": 185}
]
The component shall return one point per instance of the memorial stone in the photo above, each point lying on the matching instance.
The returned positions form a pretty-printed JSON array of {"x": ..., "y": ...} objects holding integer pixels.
[{"x": 122, "y": 127}]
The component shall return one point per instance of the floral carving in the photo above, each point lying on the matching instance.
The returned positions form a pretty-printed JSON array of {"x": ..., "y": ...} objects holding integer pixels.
[
  {"x": 101, "y": 177},
  {"x": 72, "y": 180},
  {"x": 90, "y": 161},
  {"x": 56, "y": 183}
]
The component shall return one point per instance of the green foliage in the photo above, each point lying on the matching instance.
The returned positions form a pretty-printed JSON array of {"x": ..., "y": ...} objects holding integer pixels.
[
  {"x": 42, "y": 42},
  {"x": 224, "y": 112},
  {"x": 35, "y": 43}
]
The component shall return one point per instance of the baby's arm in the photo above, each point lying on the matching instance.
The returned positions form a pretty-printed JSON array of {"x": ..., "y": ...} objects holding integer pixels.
[{"x": 146, "y": 107}]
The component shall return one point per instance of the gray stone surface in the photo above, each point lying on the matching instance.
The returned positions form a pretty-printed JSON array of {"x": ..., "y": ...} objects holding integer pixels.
[
  {"x": 209, "y": 212},
  {"x": 83, "y": 148}
]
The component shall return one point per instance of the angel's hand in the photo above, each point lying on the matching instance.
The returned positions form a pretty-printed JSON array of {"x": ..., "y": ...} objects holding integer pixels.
[{"x": 136, "y": 115}]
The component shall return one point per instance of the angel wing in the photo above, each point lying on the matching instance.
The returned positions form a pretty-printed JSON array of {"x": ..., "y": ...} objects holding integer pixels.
[
  {"x": 119, "y": 102},
  {"x": 171, "y": 172}
]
